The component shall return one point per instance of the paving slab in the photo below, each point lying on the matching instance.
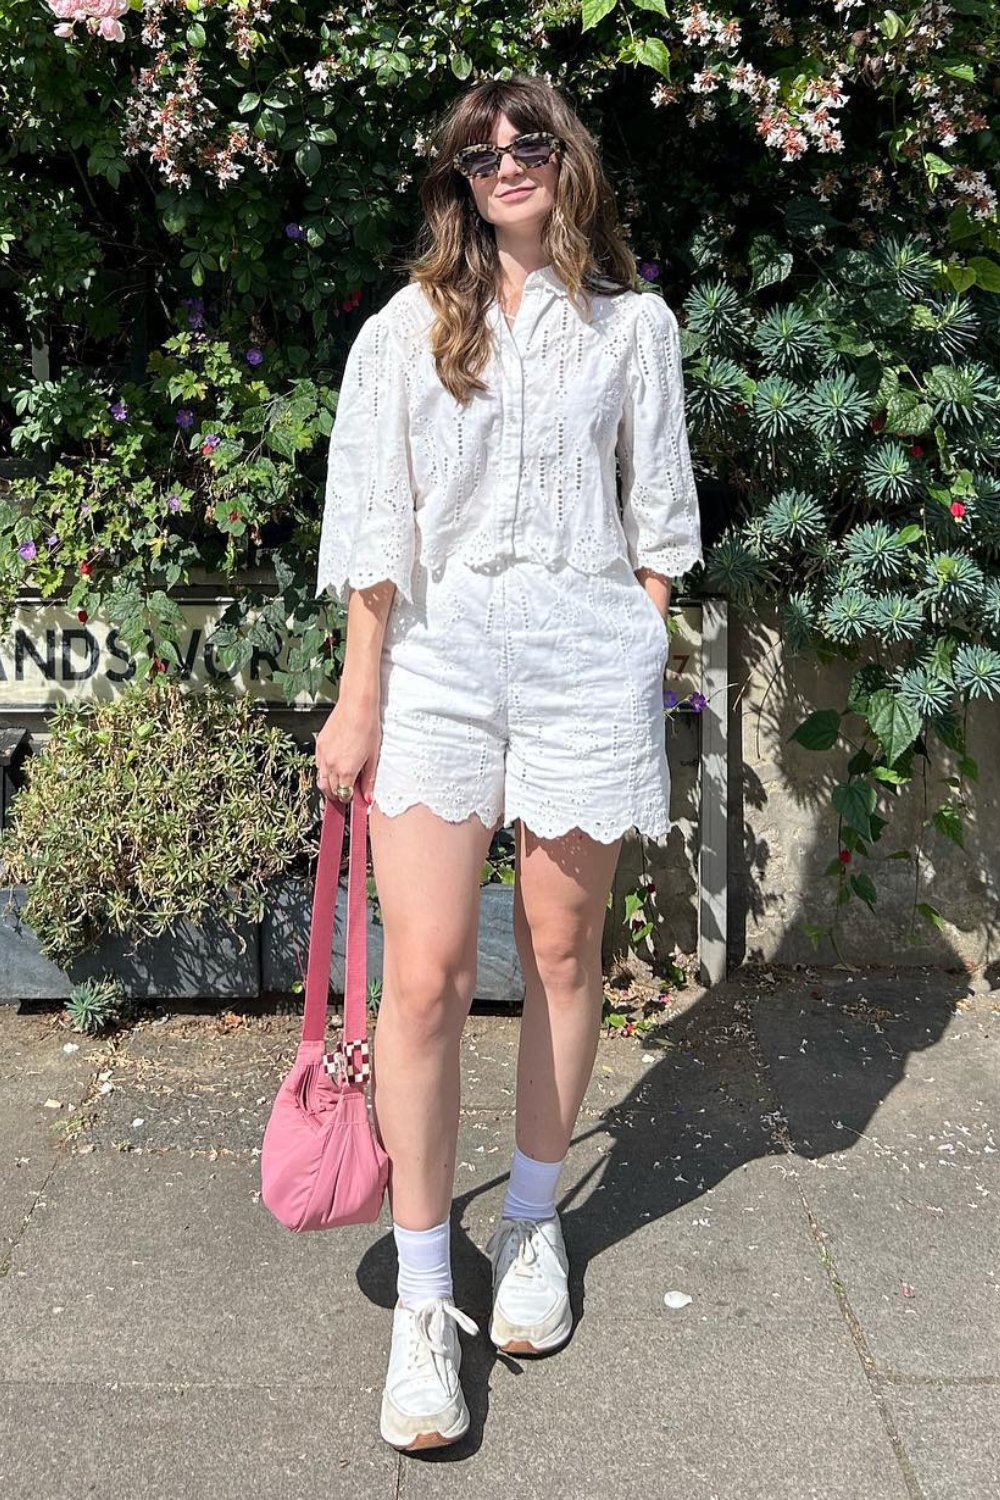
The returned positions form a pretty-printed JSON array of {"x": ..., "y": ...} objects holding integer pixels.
[
  {"x": 894, "y": 1111},
  {"x": 951, "y": 1438},
  {"x": 66, "y": 1438},
  {"x": 41, "y": 1087}
]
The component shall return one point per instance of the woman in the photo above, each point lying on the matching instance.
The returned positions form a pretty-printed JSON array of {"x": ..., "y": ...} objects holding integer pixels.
[{"x": 506, "y": 644}]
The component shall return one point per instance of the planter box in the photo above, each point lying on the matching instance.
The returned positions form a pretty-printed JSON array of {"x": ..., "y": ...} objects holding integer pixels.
[
  {"x": 192, "y": 962},
  {"x": 285, "y": 942},
  {"x": 207, "y": 961}
]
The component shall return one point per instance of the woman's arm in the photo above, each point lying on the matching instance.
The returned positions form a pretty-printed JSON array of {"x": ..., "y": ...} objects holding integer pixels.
[{"x": 367, "y": 613}]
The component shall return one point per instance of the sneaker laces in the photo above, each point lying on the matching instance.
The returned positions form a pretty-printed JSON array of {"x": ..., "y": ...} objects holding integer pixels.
[
  {"x": 523, "y": 1232},
  {"x": 425, "y": 1343}
]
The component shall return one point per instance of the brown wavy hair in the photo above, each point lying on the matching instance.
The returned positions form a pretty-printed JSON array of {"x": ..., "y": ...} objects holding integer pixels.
[{"x": 457, "y": 262}]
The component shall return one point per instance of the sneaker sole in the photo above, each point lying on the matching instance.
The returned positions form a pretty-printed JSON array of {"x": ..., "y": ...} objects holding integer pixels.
[
  {"x": 402, "y": 1432},
  {"x": 511, "y": 1340}
]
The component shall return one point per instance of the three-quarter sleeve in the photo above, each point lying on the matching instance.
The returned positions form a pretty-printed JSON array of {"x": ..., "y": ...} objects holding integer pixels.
[
  {"x": 368, "y": 529},
  {"x": 659, "y": 500}
]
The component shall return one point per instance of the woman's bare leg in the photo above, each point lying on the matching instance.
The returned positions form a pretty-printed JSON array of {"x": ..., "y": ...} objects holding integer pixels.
[
  {"x": 561, "y": 894},
  {"x": 427, "y": 873}
]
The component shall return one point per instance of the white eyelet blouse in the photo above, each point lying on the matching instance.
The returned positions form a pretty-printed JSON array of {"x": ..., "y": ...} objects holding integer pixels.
[{"x": 528, "y": 467}]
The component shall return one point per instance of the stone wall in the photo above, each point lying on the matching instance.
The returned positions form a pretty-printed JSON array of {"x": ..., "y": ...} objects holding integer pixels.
[{"x": 782, "y": 830}]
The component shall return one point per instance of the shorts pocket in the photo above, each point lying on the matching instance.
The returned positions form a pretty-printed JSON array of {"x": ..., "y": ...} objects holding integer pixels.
[{"x": 659, "y": 624}]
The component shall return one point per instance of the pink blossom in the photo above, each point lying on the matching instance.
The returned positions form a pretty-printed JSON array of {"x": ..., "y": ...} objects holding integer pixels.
[{"x": 100, "y": 16}]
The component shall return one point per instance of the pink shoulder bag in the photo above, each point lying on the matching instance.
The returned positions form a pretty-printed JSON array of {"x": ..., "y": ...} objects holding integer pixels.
[{"x": 321, "y": 1162}]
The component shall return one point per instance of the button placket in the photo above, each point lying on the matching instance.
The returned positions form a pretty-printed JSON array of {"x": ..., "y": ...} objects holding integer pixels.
[{"x": 514, "y": 344}]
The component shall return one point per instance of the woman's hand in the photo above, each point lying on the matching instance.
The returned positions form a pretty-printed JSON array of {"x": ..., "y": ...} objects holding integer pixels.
[{"x": 348, "y": 745}]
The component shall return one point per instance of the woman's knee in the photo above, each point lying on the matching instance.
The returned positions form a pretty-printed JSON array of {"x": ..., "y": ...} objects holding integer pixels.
[{"x": 430, "y": 996}]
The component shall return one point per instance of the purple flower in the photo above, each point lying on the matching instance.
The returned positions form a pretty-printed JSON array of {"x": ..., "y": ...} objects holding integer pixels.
[
  {"x": 119, "y": 411},
  {"x": 28, "y": 550},
  {"x": 649, "y": 270},
  {"x": 196, "y": 311},
  {"x": 669, "y": 698},
  {"x": 697, "y": 702},
  {"x": 85, "y": 509},
  {"x": 254, "y": 356},
  {"x": 52, "y": 541},
  {"x": 174, "y": 502},
  {"x": 185, "y": 417},
  {"x": 211, "y": 442},
  {"x": 295, "y": 231}
]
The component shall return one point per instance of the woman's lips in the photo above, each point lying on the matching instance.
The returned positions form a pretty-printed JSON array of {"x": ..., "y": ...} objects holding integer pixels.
[{"x": 517, "y": 192}]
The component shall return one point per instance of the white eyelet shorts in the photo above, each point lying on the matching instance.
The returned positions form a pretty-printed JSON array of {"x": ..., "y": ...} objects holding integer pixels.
[{"x": 526, "y": 692}]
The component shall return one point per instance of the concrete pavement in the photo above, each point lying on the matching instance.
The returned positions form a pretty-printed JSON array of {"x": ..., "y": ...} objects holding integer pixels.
[{"x": 812, "y": 1157}]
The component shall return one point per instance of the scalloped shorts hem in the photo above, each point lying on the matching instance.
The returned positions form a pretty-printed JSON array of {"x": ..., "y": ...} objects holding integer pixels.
[{"x": 526, "y": 693}]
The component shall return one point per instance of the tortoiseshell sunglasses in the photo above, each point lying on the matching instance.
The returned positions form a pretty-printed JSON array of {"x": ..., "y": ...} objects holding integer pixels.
[{"x": 534, "y": 149}]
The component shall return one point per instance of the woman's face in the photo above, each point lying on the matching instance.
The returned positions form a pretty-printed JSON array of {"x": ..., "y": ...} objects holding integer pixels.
[{"x": 515, "y": 197}]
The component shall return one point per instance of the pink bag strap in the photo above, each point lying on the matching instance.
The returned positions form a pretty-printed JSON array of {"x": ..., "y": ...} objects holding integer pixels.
[{"x": 331, "y": 847}]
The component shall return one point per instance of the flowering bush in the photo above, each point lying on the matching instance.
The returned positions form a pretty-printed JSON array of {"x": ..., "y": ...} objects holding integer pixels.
[{"x": 200, "y": 202}]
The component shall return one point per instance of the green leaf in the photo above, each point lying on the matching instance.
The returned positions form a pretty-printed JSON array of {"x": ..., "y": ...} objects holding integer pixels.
[
  {"x": 655, "y": 53},
  {"x": 931, "y": 914},
  {"x": 855, "y": 801},
  {"x": 461, "y": 64},
  {"x": 987, "y": 272},
  {"x": 596, "y": 10},
  {"x": 890, "y": 776},
  {"x": 947, "y": 821},
  {"x": 247, "y": 103},
  {"x": 658, "y": 5},
  {"x": 196, "y": 36},
  {"x": 309, "y": 159},
  {"x": 960, "y": 277},
  {"x": 770, "y": 262},
  {"x": 820, "y": 730},
  {"x": 910, "y": 534},
  {"x": 864, "y": 886},
  {"x": 894, "y": 723},
  {"x": 815, "y": 933},
  {"x": 969, "y": 767}
]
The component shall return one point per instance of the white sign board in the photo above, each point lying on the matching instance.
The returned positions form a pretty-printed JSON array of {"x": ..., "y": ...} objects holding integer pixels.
[{"x": 49, "y": 656}]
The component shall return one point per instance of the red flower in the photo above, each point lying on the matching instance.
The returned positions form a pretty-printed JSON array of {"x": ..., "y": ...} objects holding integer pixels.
[
  {"x": 86, "y": 567},
  {"x": 234, "y": 515},
  {"x": 844, "y": 856},
  {"x": 82, "y": 615},
  {"x": 917, "y": 451},
  {"x": 161, "y": 665},
  {"x": 957, "y": 509},
  {"x": 878, "y": 423}
]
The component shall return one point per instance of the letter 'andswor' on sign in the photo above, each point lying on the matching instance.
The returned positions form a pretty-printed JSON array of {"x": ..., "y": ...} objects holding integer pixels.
[{"x": 49, "y": 656}]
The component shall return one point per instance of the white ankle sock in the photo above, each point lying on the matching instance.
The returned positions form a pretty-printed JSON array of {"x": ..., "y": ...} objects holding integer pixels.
[
  {"x": 424, "y": 1263},
  {"x": 531, "y": 1192}
]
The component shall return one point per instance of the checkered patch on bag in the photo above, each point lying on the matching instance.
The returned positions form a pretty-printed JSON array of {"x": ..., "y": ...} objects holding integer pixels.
[{"x": 351, "y": 1060}]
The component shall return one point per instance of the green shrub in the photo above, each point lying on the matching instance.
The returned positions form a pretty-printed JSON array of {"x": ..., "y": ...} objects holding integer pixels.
[{"x": 152, "y": 807}]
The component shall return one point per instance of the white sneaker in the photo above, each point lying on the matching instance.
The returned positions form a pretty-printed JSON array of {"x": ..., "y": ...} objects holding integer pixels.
[
  {"x": 531, "y": 1311},
  {"x": 423, "y": 1405}
]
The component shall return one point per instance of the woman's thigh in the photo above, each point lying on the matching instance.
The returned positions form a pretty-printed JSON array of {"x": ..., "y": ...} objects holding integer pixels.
[{"x": 427, "y": 872}]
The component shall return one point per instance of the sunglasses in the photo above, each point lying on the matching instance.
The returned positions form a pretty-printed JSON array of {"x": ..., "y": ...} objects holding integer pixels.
[{"x": 534, "y": 149}]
